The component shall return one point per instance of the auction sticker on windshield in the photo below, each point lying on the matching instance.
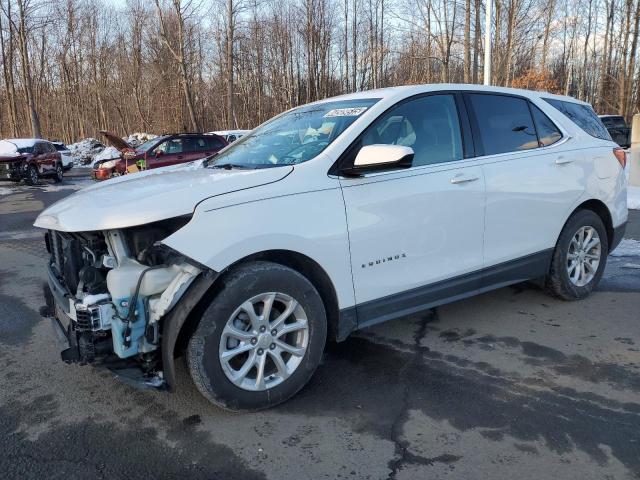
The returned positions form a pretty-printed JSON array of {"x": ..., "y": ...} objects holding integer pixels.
[{"x": 345, "y": 112}]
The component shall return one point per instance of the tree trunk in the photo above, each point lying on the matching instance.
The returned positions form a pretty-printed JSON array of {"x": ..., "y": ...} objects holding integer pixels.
[
  {"x": 26, "y": 72},
  {"x": 229, "y": 64},
  {"x": 477, "y": 43},
  {"x": 467, "y": 41}
]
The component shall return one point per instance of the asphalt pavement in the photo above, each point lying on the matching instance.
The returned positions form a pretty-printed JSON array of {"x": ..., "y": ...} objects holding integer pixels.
[{"x": 509, "y": 384}]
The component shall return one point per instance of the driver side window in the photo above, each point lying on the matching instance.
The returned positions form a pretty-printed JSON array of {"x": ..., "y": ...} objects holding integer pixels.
[
  {"x": 429, "y": 125},
  {"x": 170, "y": 146}
]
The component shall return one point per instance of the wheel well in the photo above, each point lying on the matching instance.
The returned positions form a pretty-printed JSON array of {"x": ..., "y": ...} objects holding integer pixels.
[
  {"x": 313, "y": 272},
  {"x": 600, "y": 209},
  {"x": 302, "y": 264}
]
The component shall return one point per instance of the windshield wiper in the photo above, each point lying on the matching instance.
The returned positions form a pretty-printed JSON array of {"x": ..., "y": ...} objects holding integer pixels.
[{"x": 229, "y": 166}]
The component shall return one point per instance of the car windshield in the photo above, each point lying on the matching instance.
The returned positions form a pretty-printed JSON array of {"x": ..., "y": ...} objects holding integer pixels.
[
  {"x": 143, "y": 147},
  {"x": 294, "y": 137}
]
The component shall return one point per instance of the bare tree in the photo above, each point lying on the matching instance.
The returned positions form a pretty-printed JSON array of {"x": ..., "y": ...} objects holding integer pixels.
[
  {"x": 181, "y": 11},
  {"x": 27, "y": 10}
]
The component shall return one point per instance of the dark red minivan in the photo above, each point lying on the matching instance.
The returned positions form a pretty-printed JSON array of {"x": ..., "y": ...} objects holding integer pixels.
[{"x": 158, "y": 152}]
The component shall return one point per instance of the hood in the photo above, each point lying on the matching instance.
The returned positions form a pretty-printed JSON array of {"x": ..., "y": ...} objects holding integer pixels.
[
  {"x": 116, "y": 141},
  {"x": 149, "y": 196}
]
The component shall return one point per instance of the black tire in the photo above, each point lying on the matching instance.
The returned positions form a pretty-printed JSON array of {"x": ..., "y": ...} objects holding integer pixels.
[
  {"x": 32, "y": 175},
  {"x": 241, "y": 284},
  {"x": 59, "y": 175},
  {"x": 557, "y": 280}
]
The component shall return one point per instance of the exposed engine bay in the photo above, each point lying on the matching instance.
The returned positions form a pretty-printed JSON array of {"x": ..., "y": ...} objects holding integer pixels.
[{"x": 109, "y": 290}]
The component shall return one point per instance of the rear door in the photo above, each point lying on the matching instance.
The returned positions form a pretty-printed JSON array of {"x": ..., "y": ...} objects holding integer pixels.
[
  {"x": 412, "y": 231},
  {"x": 197, "y": 147},
  {"x": 531, "y": 177}
]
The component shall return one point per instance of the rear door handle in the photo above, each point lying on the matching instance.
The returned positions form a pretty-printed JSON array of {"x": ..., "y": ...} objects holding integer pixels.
[
  {"x": 462, "y": 178},
  {"x": 562, "y": 160}
]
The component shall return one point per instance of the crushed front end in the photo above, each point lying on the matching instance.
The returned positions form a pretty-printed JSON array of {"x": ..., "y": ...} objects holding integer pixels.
[
  {"x": 107, "y": 294},
  {"x": 13, "y": 168}
]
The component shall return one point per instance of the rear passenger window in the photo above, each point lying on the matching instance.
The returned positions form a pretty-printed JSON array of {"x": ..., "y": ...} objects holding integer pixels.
[
  {"x": 197, "y": 145},
  {"x": 548, "y": 133},
  {"x": 583, "y": 116},
  {"x": 505, "y": 123}
]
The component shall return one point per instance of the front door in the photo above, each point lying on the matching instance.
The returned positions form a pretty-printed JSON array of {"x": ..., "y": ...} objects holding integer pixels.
[
  {"x": 418, "y": 232},
  {"x": 167, "y": 153}
]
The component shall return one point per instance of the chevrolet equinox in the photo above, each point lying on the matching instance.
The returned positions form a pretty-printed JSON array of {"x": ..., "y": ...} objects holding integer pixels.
[{"x": 328, "y": 218}]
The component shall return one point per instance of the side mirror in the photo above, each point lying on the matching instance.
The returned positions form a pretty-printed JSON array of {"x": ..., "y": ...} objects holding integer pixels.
[{"x": 375, "y": 158}]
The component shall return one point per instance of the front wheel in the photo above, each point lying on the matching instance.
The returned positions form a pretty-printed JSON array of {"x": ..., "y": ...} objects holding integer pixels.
[
  {"x": 59, "y": 175},
  {"x": 260, "y": 339},
  {"x": 32, "y": 175},
  {"x": 579, "y": 257}
]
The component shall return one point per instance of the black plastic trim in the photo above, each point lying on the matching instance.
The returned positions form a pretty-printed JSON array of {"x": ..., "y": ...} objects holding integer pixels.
[
  {"x": 439, "y": 293},
  {"x": 59, "y": 292},
  {"x": 618, "y": 233},
  {"x": 175, "y": 319}
]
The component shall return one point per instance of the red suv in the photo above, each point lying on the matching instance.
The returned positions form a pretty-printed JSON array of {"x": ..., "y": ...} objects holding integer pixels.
[
  {"x": 158, "y": 152},
  {"x": 29, "y": 159}
]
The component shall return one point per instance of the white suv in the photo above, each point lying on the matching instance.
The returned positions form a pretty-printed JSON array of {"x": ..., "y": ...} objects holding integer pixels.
[{"x": 331, "y": 217}]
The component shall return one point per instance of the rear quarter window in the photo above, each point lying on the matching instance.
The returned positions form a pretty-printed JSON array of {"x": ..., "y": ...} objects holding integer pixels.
[{"x": 583, "y": 116}]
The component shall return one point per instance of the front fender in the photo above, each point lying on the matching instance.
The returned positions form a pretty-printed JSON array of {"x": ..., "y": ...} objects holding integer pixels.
[{"x": 310, "y": 223}]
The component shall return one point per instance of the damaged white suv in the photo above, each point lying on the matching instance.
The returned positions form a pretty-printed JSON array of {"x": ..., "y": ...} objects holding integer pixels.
[{"x": 328, "y": 218}]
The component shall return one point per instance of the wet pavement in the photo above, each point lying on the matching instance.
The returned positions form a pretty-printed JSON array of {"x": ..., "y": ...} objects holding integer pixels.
[{"x": 512, "y": 383}]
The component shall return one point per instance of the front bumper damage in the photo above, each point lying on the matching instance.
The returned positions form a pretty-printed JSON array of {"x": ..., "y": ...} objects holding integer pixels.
[
  {"x": 74, "y": 343},
  {"x": 98, "y": 328}
]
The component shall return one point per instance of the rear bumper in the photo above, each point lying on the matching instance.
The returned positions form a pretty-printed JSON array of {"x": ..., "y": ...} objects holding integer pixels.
[{"x": 618, "y": 233}]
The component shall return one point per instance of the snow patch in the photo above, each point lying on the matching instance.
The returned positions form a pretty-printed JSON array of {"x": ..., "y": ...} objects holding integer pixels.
[
  {"x": 7, "y": 191},
  {"x": 84, "y": 151},
  {"x": 10, "y": 146},
  {"x": 138, "y": 138},
  {"x": 628, "y": 248},
  {"x": 108, "y": 153},
  {"x": 633, "y": 197}
]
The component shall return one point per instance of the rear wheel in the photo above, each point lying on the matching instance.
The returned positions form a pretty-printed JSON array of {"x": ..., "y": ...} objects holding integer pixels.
[
  {"x": 260, "y": 339},
  {"x": 579, "y": 258},
  {"x": 32, "y": 175}
]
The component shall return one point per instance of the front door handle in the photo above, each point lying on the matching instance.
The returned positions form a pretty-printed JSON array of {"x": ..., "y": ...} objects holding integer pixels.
[
  {"x": 462, "y": 178},
  {"x": 562, "y": 160},
  {"x": 180, "y": 157}
]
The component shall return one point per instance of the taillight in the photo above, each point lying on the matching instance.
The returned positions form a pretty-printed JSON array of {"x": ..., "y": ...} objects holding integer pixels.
[{"x": 621, "y": 156}]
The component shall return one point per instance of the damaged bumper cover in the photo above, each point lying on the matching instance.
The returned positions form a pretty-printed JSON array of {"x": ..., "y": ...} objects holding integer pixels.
[{"x": 137, "y": 344}]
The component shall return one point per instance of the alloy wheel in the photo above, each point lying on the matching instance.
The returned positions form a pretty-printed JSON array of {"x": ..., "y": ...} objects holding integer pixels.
[
  {"x": 583, "y": 257},
  {"x": 264, "y": 341}
]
